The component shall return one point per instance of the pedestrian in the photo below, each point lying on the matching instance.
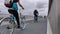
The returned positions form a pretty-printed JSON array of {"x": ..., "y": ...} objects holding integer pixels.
[{"x": 35, "y": 15}]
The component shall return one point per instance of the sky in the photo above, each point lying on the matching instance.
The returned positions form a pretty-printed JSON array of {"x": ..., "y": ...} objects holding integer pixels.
[{"x": 29, "y": 5}]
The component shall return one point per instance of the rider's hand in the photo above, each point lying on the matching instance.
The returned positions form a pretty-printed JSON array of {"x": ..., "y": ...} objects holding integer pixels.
[{"x": 22, "y": 8}]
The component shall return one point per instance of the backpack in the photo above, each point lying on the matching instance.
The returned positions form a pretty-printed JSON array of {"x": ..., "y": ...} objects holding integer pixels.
[{"x": 8, "y": 3}]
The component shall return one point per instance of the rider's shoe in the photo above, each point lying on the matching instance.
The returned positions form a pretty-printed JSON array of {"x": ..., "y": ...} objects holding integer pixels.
[{"x": 9, "y": 28}]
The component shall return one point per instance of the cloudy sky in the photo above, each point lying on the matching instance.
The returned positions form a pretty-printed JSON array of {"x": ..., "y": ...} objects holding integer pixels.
[{"x": 29, "y": 5}]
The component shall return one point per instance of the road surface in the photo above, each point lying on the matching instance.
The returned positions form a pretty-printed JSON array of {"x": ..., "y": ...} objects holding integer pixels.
[{"x": 31, "y": 28}]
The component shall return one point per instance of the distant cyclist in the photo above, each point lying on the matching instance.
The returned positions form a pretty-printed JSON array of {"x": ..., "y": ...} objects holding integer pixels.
[
  {"x": 36, "y": 15},
  {"x": 14, "y": 10}
]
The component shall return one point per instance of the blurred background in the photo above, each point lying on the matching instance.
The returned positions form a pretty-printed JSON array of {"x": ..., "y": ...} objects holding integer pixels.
[{"x": 29, "y": 5}]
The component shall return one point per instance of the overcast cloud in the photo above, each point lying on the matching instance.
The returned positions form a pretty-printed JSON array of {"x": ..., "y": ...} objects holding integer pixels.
[{"x": 29, "y": 5}]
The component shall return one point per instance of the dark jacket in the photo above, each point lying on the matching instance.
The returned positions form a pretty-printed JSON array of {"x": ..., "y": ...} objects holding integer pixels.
[{"x": 35, "y": 13}]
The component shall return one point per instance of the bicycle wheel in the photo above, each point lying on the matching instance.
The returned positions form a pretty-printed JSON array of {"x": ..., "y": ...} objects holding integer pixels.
[{"x": 4, "y": 22}]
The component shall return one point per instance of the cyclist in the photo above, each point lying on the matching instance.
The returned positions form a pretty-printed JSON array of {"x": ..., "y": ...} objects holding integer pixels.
[{"x": 14, "y": 11}]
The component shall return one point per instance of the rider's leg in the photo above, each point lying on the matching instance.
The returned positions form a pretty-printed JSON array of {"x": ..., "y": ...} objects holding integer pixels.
[
  {"x": 17, "y": 17},
  {"x": 15, "y": 13}
]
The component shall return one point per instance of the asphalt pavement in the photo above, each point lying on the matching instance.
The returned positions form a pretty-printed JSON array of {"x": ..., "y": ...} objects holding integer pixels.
[{"x": 31, "y": 28}]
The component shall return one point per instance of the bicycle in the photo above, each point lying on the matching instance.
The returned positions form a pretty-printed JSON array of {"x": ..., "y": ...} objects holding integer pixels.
[{"x": 13, "y": 22}]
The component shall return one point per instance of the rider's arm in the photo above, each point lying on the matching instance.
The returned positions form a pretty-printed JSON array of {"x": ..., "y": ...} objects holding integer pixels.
[{"x": 20, "y": 4}]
